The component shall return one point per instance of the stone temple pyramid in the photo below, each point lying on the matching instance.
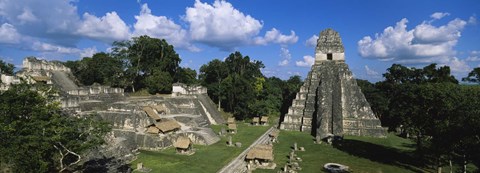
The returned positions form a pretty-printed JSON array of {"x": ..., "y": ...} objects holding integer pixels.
[{"x": 330, "y": 102}]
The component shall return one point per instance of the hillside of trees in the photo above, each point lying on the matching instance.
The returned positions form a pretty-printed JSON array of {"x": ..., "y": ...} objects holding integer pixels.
[{"x": 429, "y": 106}]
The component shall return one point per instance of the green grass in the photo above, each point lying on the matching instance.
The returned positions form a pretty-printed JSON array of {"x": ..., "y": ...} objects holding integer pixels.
[
  {"x": 361, "y": 154},
  {"x": 206, "y": 158}
]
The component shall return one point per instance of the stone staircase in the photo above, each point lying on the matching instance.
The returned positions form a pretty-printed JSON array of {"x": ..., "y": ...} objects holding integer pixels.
[
  {"x": 208, "y": 135},
  {"x": 62, "y": 80},
  {"x": 211, "y": 108}
]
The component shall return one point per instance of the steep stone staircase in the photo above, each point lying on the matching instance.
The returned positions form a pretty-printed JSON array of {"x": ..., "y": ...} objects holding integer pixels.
[
  {"x": 210, "y": 108},
  {"x": 62, "y": 80}
]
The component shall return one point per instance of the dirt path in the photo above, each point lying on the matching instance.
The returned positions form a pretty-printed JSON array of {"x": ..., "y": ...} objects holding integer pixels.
[{"x": 238, "y": 164}]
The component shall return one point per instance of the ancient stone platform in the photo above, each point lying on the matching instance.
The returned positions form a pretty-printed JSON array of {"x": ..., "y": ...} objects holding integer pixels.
[{"x": 330, "y": 101}]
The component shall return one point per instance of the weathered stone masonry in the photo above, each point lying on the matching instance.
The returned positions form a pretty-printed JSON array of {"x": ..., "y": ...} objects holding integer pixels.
[{"x": 330, "y": 102}]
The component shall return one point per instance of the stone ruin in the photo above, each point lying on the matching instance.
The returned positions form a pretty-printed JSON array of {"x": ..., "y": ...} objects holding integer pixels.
[
  {"x": 189, "y": 107},
  {"x": 330, "y": 103}
]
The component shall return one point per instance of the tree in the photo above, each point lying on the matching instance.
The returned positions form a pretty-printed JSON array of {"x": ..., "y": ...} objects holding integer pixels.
[
  {"x": 186, "y": 75},
  {"x": 38, "y": 137},
  {"x": 6, "y": 68},
  {"x": 290, "y": 89},
  {"x": 473, "y": 76},
  {"x": 101, "y": 68},
  {"x": 211, "y": 75},
  {"x": 158, "y": 82},
  {"x": 237, "y": 81},
  {"x": 143, "y": 56},
  {"x": 398, "y": 79},
  {"x": 378, "y": 101}
]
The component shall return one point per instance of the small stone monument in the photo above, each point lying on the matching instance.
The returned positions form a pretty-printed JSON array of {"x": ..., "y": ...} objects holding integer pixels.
[
  {"x": 295, "y": 146},
  {"x": 223, "y": 131},
  {"x": 291, "y": 156},
  {"x": 238, "y": 144},
  {"x": 139, "y": 166},
  {"x": 230, "y": 143}
]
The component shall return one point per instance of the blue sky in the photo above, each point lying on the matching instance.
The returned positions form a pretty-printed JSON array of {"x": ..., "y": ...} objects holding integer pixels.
[{"x": 279, "y": 33}]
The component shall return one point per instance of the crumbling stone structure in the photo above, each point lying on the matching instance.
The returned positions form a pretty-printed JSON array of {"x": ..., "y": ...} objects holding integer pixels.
[
  {"x": 330, "y": 102},
  {"x": 192, "y": 108}
]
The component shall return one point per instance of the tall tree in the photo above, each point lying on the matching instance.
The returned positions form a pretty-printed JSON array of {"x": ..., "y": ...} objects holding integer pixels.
[
  {"x": 101, "y": 68},
  {"x": 144, "y": 56},
  {"x": 186, "y": 75},
  {"x": 473, "y": 76},
  {"x": 212, "y": 75},
  {"x": 235, "y": 81},
  {"x": 6, "y": 68},
  {"x": 38, "y": 137}
]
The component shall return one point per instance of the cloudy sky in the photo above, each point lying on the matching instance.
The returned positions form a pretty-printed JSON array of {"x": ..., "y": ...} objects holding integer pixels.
[{"x": 280, "y": 33}]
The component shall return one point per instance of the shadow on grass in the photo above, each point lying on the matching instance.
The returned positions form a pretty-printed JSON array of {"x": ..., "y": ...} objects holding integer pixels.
[
  {"x": 381, "y": 154},
  {"x": 102, "y": 165}
]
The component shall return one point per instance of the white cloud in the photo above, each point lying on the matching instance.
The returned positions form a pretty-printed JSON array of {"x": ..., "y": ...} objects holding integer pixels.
[
  {"x": 439, "y": 15},
  {"x": 283, "y": 62},
  {"x": 8, "y": 34},
  {"x": 54, "y": 20},
  {"x": 275, "y": 36},
  {"x": 107, "y": 28},
  {"x": 308, "y": 61},
  {"x": 423, "y": 44},
  {"x": 47, "y": 47},
  {"x": 458, "y": 67},
  {"x": 27, "y": 16},
  {"x": 371, "y": 72},
  {"x": 220, "y": 24},
  {"x": 88, "y": 52},
  {"x": 161, "y": 27},
  {"x": 427, "y": 33},
  {"x": 474, "y": 56},
  {"x": 286, "y": 56},
  {"x": 312, "y": 41},
  {"x": 472, "y": 20}
]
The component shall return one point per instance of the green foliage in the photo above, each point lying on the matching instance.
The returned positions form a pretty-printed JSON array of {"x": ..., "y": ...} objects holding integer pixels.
[
  {"x": 141, "y": 63},
  {"x": 290, "y": 89},
  {"x": 34, "y": 132},
  {"x": 473, "y": 76},
  {"x": 211, "y": 75},
  {"x": 429, "y": 104},
  {"x": 158, "y": 82},
  {"x": 145, "y": 58},
  {"x": 101, "y": 68},
  {"x": 378, "y": 101},
  {"x": 239, "y": 87},
  {"x": 234, "y": 82},
  {"x": 398, "y": 74},
  {"x": 6, "y": 68},
  {"x": 186, "y": 75}
]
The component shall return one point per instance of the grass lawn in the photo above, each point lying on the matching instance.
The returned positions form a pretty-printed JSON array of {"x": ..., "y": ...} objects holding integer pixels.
[
  {"x": 206, "y": 158},
  {"x": 361, "y": 154}
]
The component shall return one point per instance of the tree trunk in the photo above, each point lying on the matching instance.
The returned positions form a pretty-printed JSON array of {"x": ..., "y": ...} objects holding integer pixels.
[
  {"x": 464, "y": 163},
  {"x": 219, "y": 103},
  {"x": 439, "y": 166},
  {"x": 451, "y": 166}
]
